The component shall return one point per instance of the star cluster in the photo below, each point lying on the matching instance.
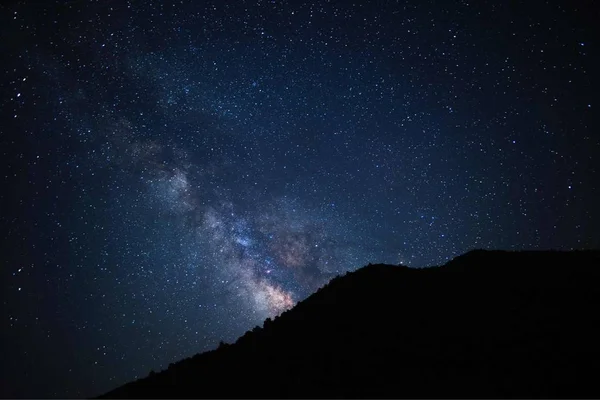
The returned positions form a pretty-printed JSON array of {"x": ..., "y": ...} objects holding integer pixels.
[{"x": 173, "y": 173}]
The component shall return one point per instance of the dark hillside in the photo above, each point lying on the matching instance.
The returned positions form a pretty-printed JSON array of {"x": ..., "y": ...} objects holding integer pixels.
[{"x": 486, "y": 324}]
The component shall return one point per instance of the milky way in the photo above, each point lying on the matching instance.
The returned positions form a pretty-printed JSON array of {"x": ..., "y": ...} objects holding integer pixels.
[{"x": 173, "y": 174}]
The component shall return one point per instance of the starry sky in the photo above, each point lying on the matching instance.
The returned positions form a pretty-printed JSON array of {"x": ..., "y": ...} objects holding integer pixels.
[{"x": 173, "y": 173}]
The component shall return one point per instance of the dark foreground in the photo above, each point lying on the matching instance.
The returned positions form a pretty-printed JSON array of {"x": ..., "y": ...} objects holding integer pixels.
[{"x": 487, "y": 324}]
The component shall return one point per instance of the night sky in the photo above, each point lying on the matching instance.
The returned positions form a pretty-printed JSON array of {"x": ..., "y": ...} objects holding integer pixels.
[{"x": 173, "y": 173}]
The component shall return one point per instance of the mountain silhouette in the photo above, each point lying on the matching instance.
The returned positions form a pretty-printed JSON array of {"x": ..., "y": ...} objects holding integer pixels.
[{"x": 486, "y": 324}]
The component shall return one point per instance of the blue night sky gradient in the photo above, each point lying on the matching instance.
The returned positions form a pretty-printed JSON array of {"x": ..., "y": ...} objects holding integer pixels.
[{"x": 173, "y": 173}]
